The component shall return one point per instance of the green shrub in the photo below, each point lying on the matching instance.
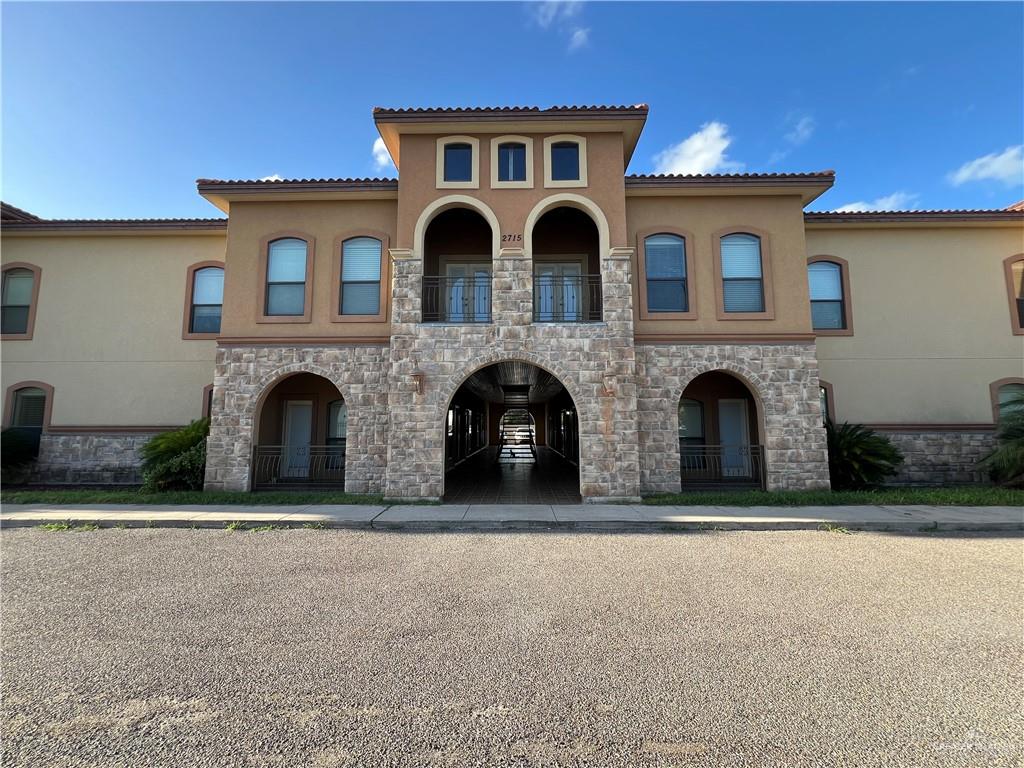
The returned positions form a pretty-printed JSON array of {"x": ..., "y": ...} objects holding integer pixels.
[
  {"x": 859, "y": 457},
  {"x": 1005, "y": 463},
  {"x": 17, "y": 447},
  {"x": 176, "y": 461}
]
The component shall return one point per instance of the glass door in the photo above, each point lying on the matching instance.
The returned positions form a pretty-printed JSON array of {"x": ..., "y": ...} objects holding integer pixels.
[
  {"x": 735, "y": 437},
  {"x": 298, "y": 432},
  {"x": 468, "y": 298}
]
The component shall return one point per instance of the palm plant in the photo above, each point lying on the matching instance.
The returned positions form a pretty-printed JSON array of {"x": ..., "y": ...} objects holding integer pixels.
[
  {"x": 1005, "y": 463},
  {"x": 859, "y": 457},
  {"x": 176, "y": 460}
]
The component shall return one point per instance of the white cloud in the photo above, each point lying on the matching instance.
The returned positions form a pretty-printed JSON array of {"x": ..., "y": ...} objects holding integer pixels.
[
  {"x": 381, "y": 156},
  {"x": 894, "y": 202},
  {"x": 802, "y": 130},
  {"x": 579, "y": 38},
  {"x": 547, "y": 12},
  {"x": 272, "y": 177},
  {"x": 1007, "y": 167},
  {"x": 702, "y": 152}
]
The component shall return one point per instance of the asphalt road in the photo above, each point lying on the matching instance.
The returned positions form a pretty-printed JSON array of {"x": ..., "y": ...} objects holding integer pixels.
[{"x": 333, "y": 648}]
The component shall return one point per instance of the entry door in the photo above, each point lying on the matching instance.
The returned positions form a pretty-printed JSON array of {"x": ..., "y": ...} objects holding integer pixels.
[
  {"x": 559, "y": 291},
  {"x": 735, "y": 438},
  {"x": 298, "y": 432},
  {"x": 468, "y": 297}
]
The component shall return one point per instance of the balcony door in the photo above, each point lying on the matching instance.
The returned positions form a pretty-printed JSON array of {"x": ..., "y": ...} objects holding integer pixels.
[
  {"x": 298, "y": 433},
  {"x": 468, "y": 298},
  {"x": 559, "y": 291},
  {"x": 734, "y": 434}
]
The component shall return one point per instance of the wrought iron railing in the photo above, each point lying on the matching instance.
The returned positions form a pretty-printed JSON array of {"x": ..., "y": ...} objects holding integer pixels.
[
  {"x": 722, "y": 464},
  {"x": 280, "y": 466},
  {"x": 456, "y": 299},
  {"x": 567, "y": 299}
]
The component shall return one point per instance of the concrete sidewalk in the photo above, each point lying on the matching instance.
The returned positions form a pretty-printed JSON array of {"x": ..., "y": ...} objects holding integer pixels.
[{"x": 528, "y": 516}]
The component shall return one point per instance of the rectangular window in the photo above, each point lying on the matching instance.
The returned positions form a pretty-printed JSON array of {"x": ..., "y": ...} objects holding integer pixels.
[
  {"x": 207, "y": 300},
  {"x": 742, "y": 285},
  {"x": 512, "y": 162},
  {"x": 565, "y": 161},
  {"x": 825, "y": 280},
  {"x": 17, "y": 300},
  {"x": 360, "y": 276},
  {"x": 665, "y": 263},
  {"x": 458, "y": 162},
  {"x": 286, "y": 277}
]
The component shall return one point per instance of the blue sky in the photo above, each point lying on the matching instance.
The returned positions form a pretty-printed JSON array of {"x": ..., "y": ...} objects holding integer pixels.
[{"x": 113, "y": 110}]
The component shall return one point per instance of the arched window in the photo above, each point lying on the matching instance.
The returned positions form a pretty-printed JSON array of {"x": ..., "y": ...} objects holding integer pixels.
[
  {"x": 666, "y": 274},
  {"x": 1015, "y": 291},
  {"x": 206, "y": 299},
  {"x": 287, "y": 274},
  {"x": 742, "y": 274},
  {"x": 565, "y": 161},
  {"x": 27, "y": 411},
  {"x": 458, "y": 162},
  {"x": 828, "y": 311},
  {"x": 360, "y": 276},
  {"x": 19, "y": 295},
  {"x": 512, "y": 161},
  {"x": 1010, "y": 398}
]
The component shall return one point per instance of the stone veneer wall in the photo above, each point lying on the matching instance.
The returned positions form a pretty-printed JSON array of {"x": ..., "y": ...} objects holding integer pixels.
[
  {"x": 245, "y": 374},
  {"x": 940, "y": 458},
  {"x": 595, "y": 362},
  {"x": 782, "y": 377},
  {"x": 89, "y": 459}
]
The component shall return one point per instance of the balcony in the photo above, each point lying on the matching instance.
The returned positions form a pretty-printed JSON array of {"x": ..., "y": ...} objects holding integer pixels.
[
  {"x": 567, "y": 298},
  {"x": 292, "y": 467},
  {"x": 456, "y": 299},
  {"x": 721, "y": 466}
]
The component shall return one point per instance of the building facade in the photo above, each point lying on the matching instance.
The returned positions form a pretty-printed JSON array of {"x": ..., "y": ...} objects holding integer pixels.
[{"x": 513, "y": 299}]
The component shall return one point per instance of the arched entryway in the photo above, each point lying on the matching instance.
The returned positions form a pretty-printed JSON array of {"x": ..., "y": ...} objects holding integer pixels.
[
  {"x": 566, "y": 267},
  {"x": 720, "y": 434},
  {"x": 512, "y": 436},
  {"x": 301, "y": 434},
  {"x": 457, "y": 267}
]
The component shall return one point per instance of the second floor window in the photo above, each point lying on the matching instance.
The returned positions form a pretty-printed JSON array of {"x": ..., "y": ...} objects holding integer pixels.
[
  {"x": 665, "y": 262},
  {"x": 458, "y": 162},
  {"x": 286, "y": 277},
  {"x": 742, "y": 280},
  {"x": 18, "y": 286},
  {"x": 565, "y": 161},
  {"x": 512, "y": 162},
  {"x": 828, "y": 310},
  {"x": 360, "y": 276},
  {"x": 207, "y": 300},
  {"x": 1015, "y": 274}
]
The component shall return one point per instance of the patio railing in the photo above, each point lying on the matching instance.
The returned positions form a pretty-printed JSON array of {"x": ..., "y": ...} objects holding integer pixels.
[
  {"x": 456, "y": 299},
  {"x": 722, "y": 465},
  {"x": 567, "y": 299},
  {"x": 289, "y": 466}
]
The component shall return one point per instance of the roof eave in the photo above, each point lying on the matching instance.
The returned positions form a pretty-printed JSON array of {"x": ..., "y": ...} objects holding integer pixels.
[{"x": 809, "y": 187}]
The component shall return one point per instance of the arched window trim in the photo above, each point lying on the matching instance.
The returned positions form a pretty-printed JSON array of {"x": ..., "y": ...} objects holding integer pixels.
[
  {"x": 993, "y": 391},
  {"x": 830, "y": 400},
  {"x": 307, "y": 304},
  {"x": 565, "y": 183},
  {"x": 844, "y": 277},
  {"x": 9, "y": 402},
  {"x": 474, "y": 179},
  {"x": 495, "y": 146},
  {"x": 190, "y": 284},
  {"x": 691, "y": 282},
  {"x": 385, "y": 277},
  {"x": 1015, "y": 318},
  {"x": 30, "y": 326},
  {"x": 766, "y": 274},
  {"x": 207, "y": 401}
]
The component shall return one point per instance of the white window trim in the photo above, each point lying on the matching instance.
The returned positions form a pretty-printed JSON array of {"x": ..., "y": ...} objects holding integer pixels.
[
  {"x": 497, "y": 142},
  {"x": 548, "y": 141},
  {"x": 474, "y": 181}
]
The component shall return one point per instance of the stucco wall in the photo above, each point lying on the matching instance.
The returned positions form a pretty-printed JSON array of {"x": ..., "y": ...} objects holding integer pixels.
[
  {"x": 108, "y": 328},
  {"x": 931, "y": 323}
]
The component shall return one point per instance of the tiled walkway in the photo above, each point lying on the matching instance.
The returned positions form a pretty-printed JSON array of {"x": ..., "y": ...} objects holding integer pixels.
[{"x": 480, "y": 480}]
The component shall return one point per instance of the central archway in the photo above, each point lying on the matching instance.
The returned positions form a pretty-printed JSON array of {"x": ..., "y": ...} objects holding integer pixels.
[{"x": 511, "y": 436}]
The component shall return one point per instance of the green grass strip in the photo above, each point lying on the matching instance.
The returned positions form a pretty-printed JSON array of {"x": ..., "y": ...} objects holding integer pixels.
[
  {"x": 129, "y": 496},
  {"x": 967, "y": 496}
]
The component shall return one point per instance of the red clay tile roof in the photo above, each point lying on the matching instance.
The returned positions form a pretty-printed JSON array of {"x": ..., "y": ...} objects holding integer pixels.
[
  {"x": 668, "y": 179},
  {"x": 354, "y": 184},
  {"x": 9, "y": 212},
  {"x": 973, "y": 214},
  {"x": 105, "y": 224},
  {"x": 521, "y": 111},
  {"x": 1018, "y": 206}
]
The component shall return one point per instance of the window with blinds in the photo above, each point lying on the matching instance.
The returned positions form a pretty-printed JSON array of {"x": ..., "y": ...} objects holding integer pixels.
[
  {"x": 16, "y": 301},
  {"x": 207, "y": 300},
  {"x": 825, "y": 280},
  {"x": 1010, "y": 399},
  {"x": 29, "y": 408},
  {"x": 286, "y": 277},
  {"x": 742, "y": 281},
  {"x": 360, "y": 276},
  {"x": 665, "y": 265}
]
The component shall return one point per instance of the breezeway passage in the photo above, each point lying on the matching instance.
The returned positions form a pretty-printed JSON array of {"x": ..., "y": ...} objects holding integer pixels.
[{"x": 394, "y": 649}]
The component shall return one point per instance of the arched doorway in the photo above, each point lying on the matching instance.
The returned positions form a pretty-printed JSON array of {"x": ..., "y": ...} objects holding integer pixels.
[
  {"x": 566, "y": 267},
  {"x": 301, "y": 435},
  {"x": 512, "y": 437},
  {"x": 457, "y": 268},
  {"x": 720, "y": 434}
]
